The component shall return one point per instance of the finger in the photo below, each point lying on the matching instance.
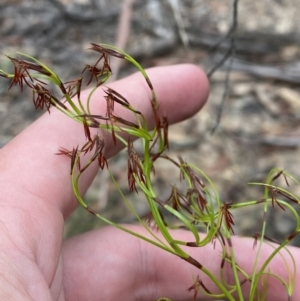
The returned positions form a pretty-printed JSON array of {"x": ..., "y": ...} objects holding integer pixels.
[
  {"x": 108, "y": 264},
  {"x": 28, "y": 162}
]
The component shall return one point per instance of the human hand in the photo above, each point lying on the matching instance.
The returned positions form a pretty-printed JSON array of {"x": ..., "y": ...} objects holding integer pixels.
[{"x": 36, "y": 197}]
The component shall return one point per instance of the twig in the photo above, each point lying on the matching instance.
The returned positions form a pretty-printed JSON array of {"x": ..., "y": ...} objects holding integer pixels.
[
  {"x": 122, "y": 35},
  {"x": 230, "y": 54},
  {"x": 232, "y": 34},
  {"x": 178, "y": 18}
]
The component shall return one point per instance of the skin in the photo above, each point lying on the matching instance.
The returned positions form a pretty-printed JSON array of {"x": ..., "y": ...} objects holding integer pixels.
[{"x": 104, "y": 264}]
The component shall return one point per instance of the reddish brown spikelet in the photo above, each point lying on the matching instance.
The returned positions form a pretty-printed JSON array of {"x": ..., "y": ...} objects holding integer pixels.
[
  {"x": 156, "y": 118},
  {"x": 149, "y": 219},
  {"x": 106, "y": 66},
  {"x": 289, "y": 197},
  {"x": 198, "y": 195},
  {"x": 105, "y": 50},
  {"x": 29, "y": 66},
  {"x": 286, "y": 181},
  {"x": 87, "y": 132},
  {"x": 195, "y": 287},
  {"x": 256, "y": 236},
  {"x": 117, "y": 97},
  {"x": 95, "y": 72},
  {"x": 88, "y": 146},
  {"x": 134, "y": 168},
  {"x": 204, "y": 287},
  {"x": 274, "y": 200},
  {"x": 113, "y": 96},
  {"x": 65, "y": 152},
  {"x": 19, "y": 78},
  {"x": 174, "y": 198},
  {"x": 219, "y": 236},
  {"x": 197, "y": 184},
  {"x": 113, "y": 118},
  {"x": 70, "y": 154},
  {"x": 165, "y": 127},
  {"x": 113, "y": 134},
  {"x": 162, "y": 126},
  {"x": 278, "y": 175},
  {"x": 99, "y": 152},
  {"x": 196, "y": 181},
  {"x": 161, "y": 203},
  {"x": 73, "y": 158},
  {"x": 20, "y": 74},
  {"x": 92, "y": 117},
  {"x": 116, "y": 119},
  {"x": 178, "y": 200},
  {"x": 227, "y": 216},
  {"x": 98, "y": 144},
  {"x": 73, "y": 88},
  {"x": 42, "y": 97},
  {"x": 110, "y": 104},
  {"x": 162, "y": 217}
]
